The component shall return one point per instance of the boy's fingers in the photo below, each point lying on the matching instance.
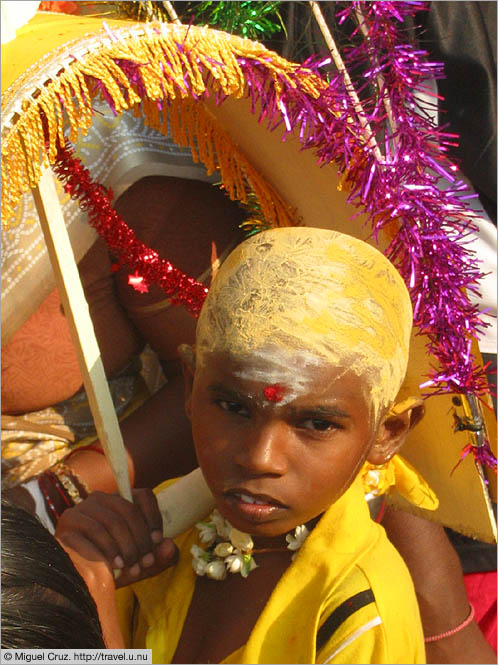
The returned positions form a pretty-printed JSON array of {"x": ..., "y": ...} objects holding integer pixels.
[
  {"x": 129, "y": 535},
  {"x": 124, "y": 521},
  {"x": 116, "y": 529},
  {"x": 90, "y": 564},
  {"x": 75, "y": 521},
  {"x": 165, "y": 555},
  {"x": 146, "y": 500},
  {"x": 79, "y": 547}
]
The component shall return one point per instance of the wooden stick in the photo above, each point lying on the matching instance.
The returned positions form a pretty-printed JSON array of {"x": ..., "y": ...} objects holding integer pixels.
[
  {"x": 341, "y": 67},
  {"x": 380, "y": 79},
  {"x": 171, "y": 12},
  {"x": 81, "y": 327}
]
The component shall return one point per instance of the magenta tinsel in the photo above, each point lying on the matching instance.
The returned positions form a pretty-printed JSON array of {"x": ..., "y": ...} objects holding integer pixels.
[
  {"x": 482, "y": 455},
  {"x": 401, "y": 192}
]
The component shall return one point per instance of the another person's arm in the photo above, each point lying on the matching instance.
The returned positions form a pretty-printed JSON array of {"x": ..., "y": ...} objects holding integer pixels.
[
  {"x": 98, "y": 577},
  {"x": 438, "y": 579},
  {"x": 158, "y": 441}
]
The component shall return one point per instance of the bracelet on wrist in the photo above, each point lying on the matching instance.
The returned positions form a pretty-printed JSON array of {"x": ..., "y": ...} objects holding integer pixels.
[
  {"x": 74, "y": 487},
  {"x": 61, "y": 489},
  {"x": 44, "y": 484},
  {"x": 457, "y": 629}
]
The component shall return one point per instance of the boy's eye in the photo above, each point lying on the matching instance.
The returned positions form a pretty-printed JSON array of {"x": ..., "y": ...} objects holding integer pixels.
[
  {"x": 319, "y": 425},
  {"x": 233, "y": 407}
]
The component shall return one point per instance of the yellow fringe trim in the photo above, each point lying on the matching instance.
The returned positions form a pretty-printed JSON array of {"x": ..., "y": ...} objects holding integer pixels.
[
  {"x": 192, "y": 125},
  {"x": 164, "y": 68}
]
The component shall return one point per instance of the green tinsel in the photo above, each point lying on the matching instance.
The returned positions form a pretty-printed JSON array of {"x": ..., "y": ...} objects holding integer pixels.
[
  {"x": 254, "y": 222},
  {"x": 254, "y": 20}
]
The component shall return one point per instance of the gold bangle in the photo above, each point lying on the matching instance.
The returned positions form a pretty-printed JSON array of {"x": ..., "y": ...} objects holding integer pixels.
[{"x": 67, "y": 479}]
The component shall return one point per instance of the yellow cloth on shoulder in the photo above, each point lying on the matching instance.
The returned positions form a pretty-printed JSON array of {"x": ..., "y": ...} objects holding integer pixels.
[
  {"x": 400, "y": 475},
  {"x": 345, "y": 554}
]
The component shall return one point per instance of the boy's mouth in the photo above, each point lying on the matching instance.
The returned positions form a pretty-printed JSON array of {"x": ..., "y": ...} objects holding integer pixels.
[
  {"x": 249, "y": 497},
  {"x": 255, "y": 507}
]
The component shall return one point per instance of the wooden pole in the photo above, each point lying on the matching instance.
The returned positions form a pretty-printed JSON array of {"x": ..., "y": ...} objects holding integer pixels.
[
  {"x": 171, "y": 12},
  {"x": 341, "y": 67},
  {"x": 81, "y": 327}
]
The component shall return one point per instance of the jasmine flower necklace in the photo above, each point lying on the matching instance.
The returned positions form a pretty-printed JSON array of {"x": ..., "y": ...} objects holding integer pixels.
[{"x": 227, "y": 549}]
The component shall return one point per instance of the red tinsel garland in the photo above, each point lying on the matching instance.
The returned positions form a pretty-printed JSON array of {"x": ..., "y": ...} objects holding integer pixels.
[{"x": 147, "y": 265}]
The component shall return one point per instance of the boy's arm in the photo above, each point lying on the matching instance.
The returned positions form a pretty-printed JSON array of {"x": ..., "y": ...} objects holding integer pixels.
[
  {"x": 99, "y": 579},
  {"x": 438, "y": 579}
]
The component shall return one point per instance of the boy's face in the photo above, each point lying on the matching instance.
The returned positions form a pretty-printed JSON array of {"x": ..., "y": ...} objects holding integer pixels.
[{"x": 279, "y": 438}]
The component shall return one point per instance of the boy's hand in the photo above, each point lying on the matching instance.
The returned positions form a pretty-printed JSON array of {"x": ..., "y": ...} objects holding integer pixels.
[{"x": 127, "y": 536}]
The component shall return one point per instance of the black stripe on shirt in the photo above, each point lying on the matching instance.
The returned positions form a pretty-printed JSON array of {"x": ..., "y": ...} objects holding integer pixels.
[{"x": 340, "y": 614}]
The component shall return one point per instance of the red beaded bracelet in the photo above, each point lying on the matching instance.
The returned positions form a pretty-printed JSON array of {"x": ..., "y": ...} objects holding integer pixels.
[
  {"x": 441, "y": 636},
  {"x": 54, "y": 514}
]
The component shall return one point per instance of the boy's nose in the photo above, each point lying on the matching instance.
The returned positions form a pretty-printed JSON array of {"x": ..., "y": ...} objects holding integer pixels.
[{"x": 264, "y": 451}]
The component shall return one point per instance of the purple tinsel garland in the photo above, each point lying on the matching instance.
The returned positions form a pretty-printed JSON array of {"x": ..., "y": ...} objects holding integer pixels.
[{"x": 430, "y": 244}]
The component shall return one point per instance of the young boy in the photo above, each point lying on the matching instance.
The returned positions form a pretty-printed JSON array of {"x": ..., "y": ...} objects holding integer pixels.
[{"x": 301, "y": 348}]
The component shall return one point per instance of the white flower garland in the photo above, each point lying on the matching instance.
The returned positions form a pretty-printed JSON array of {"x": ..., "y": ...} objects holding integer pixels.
[{"x": 229, "y": 550}]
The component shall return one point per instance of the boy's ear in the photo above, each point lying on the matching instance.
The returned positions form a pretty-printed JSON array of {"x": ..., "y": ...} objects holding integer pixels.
[
  {"x": 399, "y": 420},
  {"x": 187, "y": 357}
]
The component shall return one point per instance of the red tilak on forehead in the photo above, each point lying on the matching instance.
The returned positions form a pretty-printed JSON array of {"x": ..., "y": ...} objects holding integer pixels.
[{"x": 274, "y": 393}]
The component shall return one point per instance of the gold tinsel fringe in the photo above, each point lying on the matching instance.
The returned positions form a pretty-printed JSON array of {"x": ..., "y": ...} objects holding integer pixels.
[
  {"x": 191, "y": 125},
  {"x": 164, "y": 67}
]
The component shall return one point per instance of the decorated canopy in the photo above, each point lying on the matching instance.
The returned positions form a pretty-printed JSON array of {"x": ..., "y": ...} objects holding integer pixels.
[{"x": 277, "y": 134}]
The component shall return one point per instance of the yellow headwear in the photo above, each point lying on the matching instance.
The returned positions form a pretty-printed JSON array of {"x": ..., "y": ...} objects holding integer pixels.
[{"x": 315, "y": 290}]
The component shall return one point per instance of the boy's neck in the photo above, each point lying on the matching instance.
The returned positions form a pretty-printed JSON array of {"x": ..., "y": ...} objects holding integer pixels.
[{"x": 279, "y": 542}]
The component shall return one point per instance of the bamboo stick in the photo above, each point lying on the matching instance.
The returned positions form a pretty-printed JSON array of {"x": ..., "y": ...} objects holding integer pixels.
[
  {"x": 81, "y": 327},
  {"x": 341, "y": 67},
  {"x": 171, "y": 12}
]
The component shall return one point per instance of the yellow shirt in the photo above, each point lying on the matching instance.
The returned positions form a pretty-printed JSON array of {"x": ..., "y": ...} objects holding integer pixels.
[{"x": 344, "y": 555}]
